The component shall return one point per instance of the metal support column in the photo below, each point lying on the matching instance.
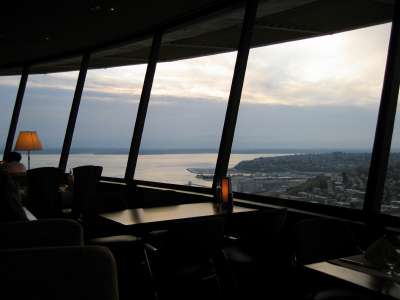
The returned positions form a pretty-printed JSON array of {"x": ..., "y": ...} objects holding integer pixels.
[
  {"x": 236, "y": 90},
  {"x": 386, "y": 118},
  {"x": 143, "y": 105},
  {"x": 16, "y": 111},
  {"x": 74, "y": 112}
]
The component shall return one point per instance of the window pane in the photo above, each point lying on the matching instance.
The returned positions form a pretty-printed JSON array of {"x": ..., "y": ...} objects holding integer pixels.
[
  {"x": 8, "y": 92},
  {"x": 391, "y": 196},
  {"x": 185, "y": 120},
  {"x": 188, "y": 101},
  {"x": 106, "y": 119},
  {"x": 45, "y": 109},
  {"x": 308, "y": 115}
]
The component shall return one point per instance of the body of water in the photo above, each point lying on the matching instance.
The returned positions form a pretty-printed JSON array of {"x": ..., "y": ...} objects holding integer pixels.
[{"x": 169, "y": 168}]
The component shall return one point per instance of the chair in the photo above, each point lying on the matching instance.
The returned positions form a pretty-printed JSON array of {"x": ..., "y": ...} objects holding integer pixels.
[
  {"x": 44, "y": 199},
  {"x": 183, "y": 261},
  {"x": 86, "y": 206},
  {"x": 86, "y": 179},
  {"x": 255, "y": 229},
  {"x": 127, "y": 249},
  {"x": 254, "y": 251},
  {"x": 319, "y": 239},
  {"x": 73, "y": 272},
  {"x": 130, "y": 261}
]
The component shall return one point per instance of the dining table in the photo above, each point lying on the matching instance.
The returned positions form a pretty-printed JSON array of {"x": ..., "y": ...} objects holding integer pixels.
[
  {"x": 357, "y": 271},
  {"x": 160, "y": 217}
]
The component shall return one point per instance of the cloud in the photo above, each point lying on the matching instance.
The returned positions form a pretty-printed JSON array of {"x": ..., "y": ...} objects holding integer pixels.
[
  {"x": 96, "y": 96},
  {"x": 127, "y": 80},
  {"x": 204, "y": 77},
  {"x": 54, "y": 81},
  {"x": 341, "y": 69},
  {"x": 9, "y": 81}
]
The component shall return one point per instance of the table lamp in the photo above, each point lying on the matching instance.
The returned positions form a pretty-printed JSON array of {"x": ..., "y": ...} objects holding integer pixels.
[{"x": 28, "y": 141}]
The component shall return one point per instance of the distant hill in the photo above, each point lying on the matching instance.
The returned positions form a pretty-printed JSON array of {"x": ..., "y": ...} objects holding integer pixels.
[{"x": 321, "y": 162}]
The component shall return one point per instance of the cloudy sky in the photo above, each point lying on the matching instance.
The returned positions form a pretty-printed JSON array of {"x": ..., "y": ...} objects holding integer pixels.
[{"x": 317, "y": 93}]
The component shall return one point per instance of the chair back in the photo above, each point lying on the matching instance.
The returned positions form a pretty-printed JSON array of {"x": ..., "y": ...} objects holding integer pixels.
[
  {"x": 193, "y": 237},
  {"x": 320, "y": 239},
  {"x": 43, "y": 186},
  {"x": 188, "y": 251},
  {"x": 86, "y": 179},
  {"x": 10, "y": 206},
  {"x": 257, "y": 229}
]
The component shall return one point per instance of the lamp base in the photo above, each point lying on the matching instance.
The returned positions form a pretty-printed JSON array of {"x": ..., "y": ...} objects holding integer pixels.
[{"x": 29, "y": 160}]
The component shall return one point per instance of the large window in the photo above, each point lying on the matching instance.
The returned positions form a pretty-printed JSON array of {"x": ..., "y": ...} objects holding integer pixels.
[
  {"x": 309, "y": 108},
  {"x": 8, "y": 92},
  {"x": 391, "y": 196},
  {"x": 106, "y": 118},
  {"x": 188, "y": 101},
  {"x": 45, "y": 108},
  {"x": 185, "y": 119}
]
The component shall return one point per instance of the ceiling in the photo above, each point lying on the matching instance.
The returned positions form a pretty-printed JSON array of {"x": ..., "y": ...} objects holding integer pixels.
[{"x": 51, "y": 36}]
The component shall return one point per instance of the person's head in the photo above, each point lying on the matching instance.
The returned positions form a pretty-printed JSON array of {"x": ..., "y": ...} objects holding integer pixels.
[{"x": 13, "y": 156}]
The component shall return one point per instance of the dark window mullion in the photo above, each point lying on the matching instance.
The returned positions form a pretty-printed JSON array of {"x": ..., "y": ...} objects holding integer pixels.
[
  {"x": 385, "y": 123},
  {"x": 236, "y": 90},
  {"x": 16, "y": 111},
  {"x": 143, "y": 105},
  {"x": 74, "y": 112}
]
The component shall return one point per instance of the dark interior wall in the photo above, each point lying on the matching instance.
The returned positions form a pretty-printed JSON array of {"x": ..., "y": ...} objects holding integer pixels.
[
  {"x": 150, "y": 197},
  {"x": 114, "y": 196}
]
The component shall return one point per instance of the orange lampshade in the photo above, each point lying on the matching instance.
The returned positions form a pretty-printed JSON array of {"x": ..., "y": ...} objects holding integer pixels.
[
  {"x": 225, "y": 189},
  {"x": 28, "y": 140}
]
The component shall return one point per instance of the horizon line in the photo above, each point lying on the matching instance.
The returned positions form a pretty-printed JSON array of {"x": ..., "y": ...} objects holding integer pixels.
[{"x": 149, "y": 151}]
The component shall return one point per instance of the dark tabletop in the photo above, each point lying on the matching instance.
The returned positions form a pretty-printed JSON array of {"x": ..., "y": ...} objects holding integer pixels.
[{"x": 167, "y": 213}]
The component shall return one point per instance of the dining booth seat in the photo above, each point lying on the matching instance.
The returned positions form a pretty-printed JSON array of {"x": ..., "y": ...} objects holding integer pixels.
[
  {"x": 46, "y": 259},
  {"x": 40, "y": 233},
  {"x": 62, "y": 273}
]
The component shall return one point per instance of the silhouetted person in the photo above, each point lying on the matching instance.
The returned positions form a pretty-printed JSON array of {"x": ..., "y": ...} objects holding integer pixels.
[{"x": 13, "y": 164}]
